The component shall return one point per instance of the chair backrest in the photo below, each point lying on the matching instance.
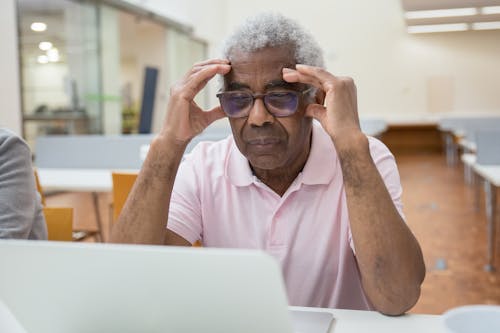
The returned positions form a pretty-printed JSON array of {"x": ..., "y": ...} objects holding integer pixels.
[
  {"x": 488, "y": 149},
  {"x": 39, "y": 187},
  {"x": 91, "y": 151},
  {"x": 122, "y": 184},
  {"x": 373, "y": 126},
  {"x": 59, "y": 223}
]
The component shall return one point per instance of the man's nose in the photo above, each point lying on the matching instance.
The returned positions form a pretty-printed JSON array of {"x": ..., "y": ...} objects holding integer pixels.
[{"x": 259, "y": 115}]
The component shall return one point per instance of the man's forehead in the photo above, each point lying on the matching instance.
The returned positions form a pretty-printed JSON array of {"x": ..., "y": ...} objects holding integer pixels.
[
  {"x": 270, "y": 55},
  {"x": 265, "y": 65},
  {"x": 272, "y": 84}
]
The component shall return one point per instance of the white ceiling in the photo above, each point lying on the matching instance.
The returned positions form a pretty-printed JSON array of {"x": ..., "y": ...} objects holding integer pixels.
[{"x": 412, "y": 5}]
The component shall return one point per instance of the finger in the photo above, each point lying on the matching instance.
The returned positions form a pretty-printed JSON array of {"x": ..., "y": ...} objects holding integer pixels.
[
  {"x": 212, "y": 61},
  {"x": 202, "y": 64},
  {"x": 318, "y": 72},
  {"x": 291, "y": 75},
  {"x": 197, "y": 81},
  {"x": 326, "y": 80},
  {"x": 214, "y": 114},
  {"x": 316, "y": 111}
]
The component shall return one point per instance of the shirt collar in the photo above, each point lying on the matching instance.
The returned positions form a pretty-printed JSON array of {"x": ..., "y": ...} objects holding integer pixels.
[{"x": 319, "y": 169}]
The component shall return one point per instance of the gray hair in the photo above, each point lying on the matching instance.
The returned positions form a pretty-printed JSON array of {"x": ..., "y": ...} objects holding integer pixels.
[{"x": 271, "y": 30}]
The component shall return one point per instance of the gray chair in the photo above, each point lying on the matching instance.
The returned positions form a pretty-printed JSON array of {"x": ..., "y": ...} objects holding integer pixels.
[
  {"x": 488, "y": 147},
  {"x": 373, "y": 126},
  {"x": 91, "y": 151}
]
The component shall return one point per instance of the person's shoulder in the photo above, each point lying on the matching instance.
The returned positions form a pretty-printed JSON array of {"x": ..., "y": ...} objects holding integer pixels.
[
  {"x": 377, "y": 147},
  {"x": 6, "y": 134},
  {"x": 9, "y": 141},
  {"x": 209, "y": 152}
]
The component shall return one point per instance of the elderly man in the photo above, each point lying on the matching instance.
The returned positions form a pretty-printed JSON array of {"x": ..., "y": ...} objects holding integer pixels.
[{"x": 321, "y": 197}]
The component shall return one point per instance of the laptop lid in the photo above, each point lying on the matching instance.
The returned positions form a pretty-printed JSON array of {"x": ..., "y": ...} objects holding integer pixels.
[{"x": 81, "y": 287}]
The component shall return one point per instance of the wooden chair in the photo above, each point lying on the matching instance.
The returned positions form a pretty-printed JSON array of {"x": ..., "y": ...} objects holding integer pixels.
[
  {"x": 39, "y": 188},
  {"x": 122, "y": 184},
  {"x": 77, "y": 235},
  {"x": 59, "y": 223}
]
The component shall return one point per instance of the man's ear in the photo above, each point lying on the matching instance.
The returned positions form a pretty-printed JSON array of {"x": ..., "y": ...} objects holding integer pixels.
[{"x": 320, "y": 97}]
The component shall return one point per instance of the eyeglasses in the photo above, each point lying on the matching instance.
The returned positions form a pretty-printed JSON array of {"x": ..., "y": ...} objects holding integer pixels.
[{"x": 237, "y": 104}]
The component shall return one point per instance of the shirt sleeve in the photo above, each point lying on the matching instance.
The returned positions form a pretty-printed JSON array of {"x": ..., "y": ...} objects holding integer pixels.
[
  {"x": 20, "y": 207},
  {"x": 388, "y": 170},
  {"x": 184, "y": 216}
]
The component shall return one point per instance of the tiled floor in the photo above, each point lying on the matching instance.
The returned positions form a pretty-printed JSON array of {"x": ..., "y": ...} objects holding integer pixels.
[{"x": 439, "y": 208}]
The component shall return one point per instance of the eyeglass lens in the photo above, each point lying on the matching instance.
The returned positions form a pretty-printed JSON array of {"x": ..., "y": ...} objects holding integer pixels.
[{"x": 238, "y": 104}]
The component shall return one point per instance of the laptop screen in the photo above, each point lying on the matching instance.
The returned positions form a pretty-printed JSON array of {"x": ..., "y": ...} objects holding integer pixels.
[{"x": 82, "y": 287}]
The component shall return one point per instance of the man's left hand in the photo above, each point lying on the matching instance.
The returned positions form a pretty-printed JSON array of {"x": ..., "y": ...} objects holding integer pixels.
[{"x": 339, "y": 113}]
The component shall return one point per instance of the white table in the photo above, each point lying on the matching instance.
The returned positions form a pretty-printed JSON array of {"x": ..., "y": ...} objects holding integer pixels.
[
  {"x": 75, "y": 180},
  {"x": 354, "y": 321},
  {"x": 491, "y": 176},
  {"x": 94, "y": 181}
]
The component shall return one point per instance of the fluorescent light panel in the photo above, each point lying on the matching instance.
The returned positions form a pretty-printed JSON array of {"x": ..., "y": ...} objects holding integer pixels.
[
  {"x": 43, "y": 59},
  {"x": 38, "y": 26},
  {"x": 486, "y": 25},
  {"x": 418, "y": 29},
  {"x": 490, "y": 10},
  {"x": 53, "y": 55},
  {"x": 420, "y": 14},
  {"x": 44, "y": 46}
]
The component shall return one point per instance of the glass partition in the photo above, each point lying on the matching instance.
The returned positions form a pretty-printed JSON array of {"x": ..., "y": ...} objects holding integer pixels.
[
  {"x": 59, "y": 51},
  {"x": 83, "y": 63}
]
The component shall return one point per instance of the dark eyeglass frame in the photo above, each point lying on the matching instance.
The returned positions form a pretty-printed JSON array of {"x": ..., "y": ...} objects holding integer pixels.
[{"x": 270, "y": 108}]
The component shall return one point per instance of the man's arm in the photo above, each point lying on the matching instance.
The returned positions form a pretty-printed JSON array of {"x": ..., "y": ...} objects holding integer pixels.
[
  {"x": 389, "y": 257},
  {"x": 144, "y": 216},
  {"x": 20, "y": 207}
]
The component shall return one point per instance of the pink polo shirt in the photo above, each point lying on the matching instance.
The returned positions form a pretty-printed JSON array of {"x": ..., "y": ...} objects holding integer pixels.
[{"x": 217, "y": 199}]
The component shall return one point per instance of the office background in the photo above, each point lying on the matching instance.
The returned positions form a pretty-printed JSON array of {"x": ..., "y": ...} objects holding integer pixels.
[{"x": 400, "y": 76}]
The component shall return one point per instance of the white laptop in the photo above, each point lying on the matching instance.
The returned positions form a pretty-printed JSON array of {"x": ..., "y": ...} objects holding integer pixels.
[{"x": 54, "y": 287}]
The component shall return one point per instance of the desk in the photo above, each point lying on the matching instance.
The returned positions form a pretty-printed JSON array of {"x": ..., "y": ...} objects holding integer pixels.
[
  {"x": 354, "y": 321},
  {"x": 79, "y": 180},
  {"x": 69, "y": 119},
  {"x": 491, "y": 176}
]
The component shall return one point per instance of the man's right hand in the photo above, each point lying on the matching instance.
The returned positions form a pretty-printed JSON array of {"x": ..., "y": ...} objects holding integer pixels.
[
  {"x": 185, "y": 119},
  {"x": 145, "y": 212}
]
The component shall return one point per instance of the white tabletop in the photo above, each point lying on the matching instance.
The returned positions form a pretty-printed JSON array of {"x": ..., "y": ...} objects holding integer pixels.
[
  {"x": 354, "y": 321},
  {"x": 491, "y": 173},
  {"x": 77, "y": 180}
]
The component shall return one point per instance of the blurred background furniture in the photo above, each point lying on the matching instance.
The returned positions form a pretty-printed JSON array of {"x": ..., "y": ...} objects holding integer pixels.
[
  {"x": 59, "y": 222},
  {"x": 485, "y": 164}
]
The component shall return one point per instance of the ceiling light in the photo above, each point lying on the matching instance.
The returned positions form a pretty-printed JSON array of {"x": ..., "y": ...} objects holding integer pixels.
[
  {"x": 417, "y": 29},
  {"x": 490, "y": 10},
  {"x": 44, "y": 46},
  {"x": 53, "y": 55},
  {"x": 420, "y": 14},
  {"x": 486, "y": 25},
  {"x": 38, "y": 26},
  {"x": 43, "y": 59}
]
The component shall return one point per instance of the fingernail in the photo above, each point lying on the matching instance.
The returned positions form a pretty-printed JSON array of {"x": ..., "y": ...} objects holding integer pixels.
[{"x": 287, "y": 70}]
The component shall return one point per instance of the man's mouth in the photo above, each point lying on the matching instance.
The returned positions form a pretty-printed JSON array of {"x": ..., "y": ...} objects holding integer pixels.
[{"x": 263, "y": 141}]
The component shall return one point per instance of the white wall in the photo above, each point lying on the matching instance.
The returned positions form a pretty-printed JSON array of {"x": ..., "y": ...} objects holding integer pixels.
[
  {"x": 398, "y": 75},
  {"x": 10, "y": 101}
]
